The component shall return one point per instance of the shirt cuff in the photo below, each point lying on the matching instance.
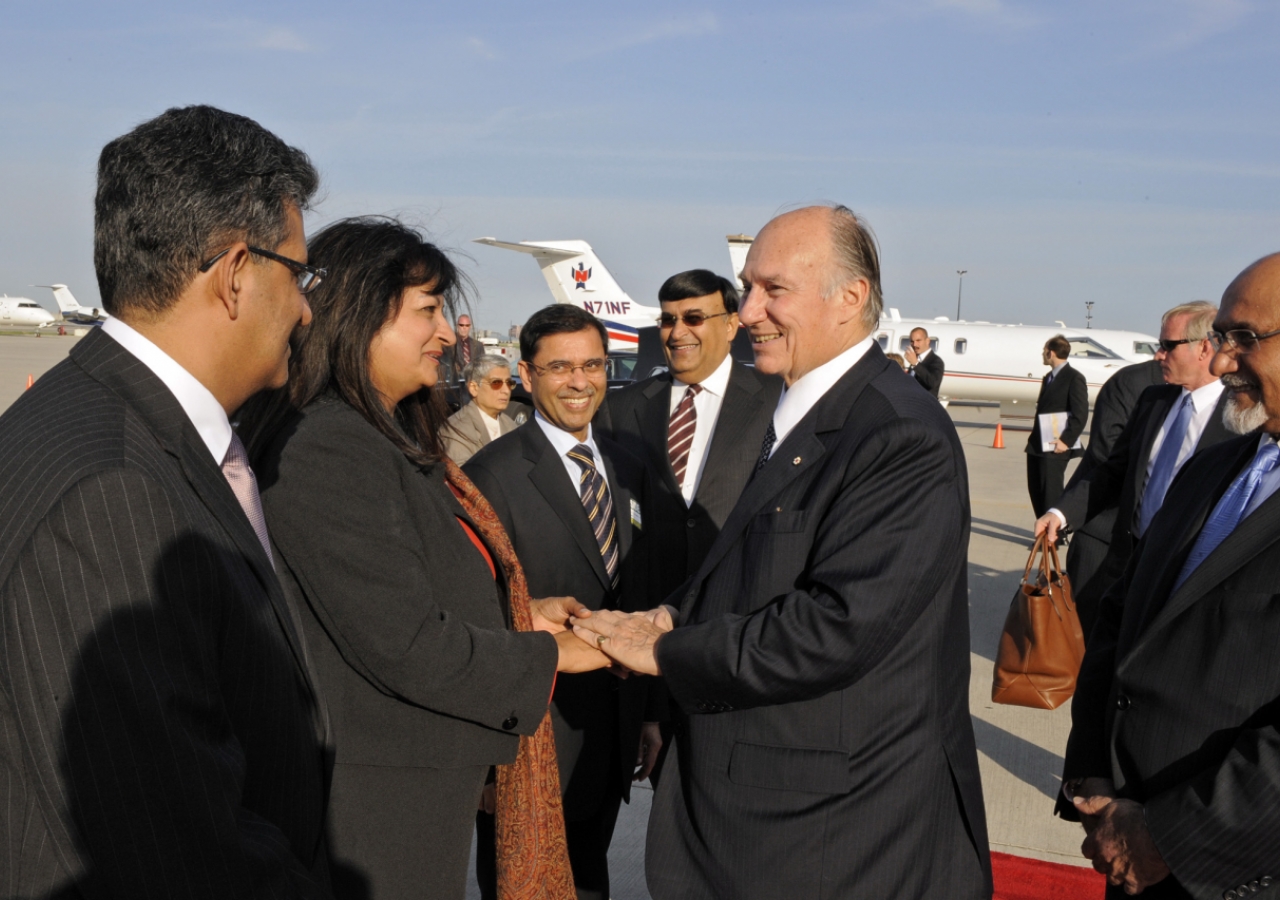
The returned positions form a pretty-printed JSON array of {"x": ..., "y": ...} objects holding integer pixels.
[{"x": 1062, "y": 520}]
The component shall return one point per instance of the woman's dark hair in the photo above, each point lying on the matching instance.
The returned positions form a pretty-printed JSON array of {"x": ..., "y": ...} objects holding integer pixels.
[
  {"x": 699, "y": 283},
  {"x": 371, "y": 261},
  {"x": 558, "y": 318}
]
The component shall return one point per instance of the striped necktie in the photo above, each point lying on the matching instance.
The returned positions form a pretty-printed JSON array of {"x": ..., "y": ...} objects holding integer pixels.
[
  {"x": 594, "y": 491},
  {"x": 680, "y": 430},
  {"x": 1230, "y": 509},
  {"x": 1165, "y": 466},
  {"x": 235, "y": 468}
]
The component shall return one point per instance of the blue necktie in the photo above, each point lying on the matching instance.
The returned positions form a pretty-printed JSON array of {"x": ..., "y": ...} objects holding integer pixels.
[
  {"x": 1165, "y": 467},
  {"x": 1230, "y": 509}
]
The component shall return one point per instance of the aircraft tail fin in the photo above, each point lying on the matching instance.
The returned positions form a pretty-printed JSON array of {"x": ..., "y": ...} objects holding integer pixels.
[
  {"x": 739, "y": 244},
  {"x": 574, "y": 273},
  {"x": 63, "y": 297}
]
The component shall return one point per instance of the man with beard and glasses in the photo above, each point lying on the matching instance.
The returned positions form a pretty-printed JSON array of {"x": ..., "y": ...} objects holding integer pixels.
[
  {"x": 1173, "y": 764},
  {"x": 575, "y": 505}
]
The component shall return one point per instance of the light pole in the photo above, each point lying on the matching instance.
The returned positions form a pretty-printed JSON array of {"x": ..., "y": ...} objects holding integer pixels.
[
  {"x": 1088, "y": 314},
  {"x": 959, "y": 291}
]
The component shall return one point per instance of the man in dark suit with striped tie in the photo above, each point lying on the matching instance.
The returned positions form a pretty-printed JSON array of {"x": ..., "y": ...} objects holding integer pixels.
[
  {"x": 575, "y": 505},
  {"x": 159, "y": 732},
  {"x": 1173, "y": 763}
]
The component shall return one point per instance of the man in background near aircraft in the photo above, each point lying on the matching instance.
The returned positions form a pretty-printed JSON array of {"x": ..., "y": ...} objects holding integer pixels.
[
  {"x": 925, "y": 366},
  {"x": 1170, "y": 424},
  {"x": 159, "y": 728},
  {"x": 1063, "y": 390},
  {"x": 456, "y": 358},
  {"x": 1116, "y": 401},
  {"x": 819, "y": 658},
  {"x": 1173, "y": 763}
]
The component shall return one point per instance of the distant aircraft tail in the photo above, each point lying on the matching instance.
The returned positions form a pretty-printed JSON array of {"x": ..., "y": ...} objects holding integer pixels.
[
  {"x": 739, "y": 244},
  {"x": 62, "y": 296}
]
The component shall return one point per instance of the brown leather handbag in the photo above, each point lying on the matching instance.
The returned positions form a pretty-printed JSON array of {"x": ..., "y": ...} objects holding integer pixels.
[{"x": 1042, "y": 643}]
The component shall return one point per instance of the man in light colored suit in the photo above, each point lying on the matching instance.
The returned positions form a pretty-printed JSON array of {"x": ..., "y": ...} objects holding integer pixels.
[
  {"x": 489, "y": 382},
  {"x": 819, "y": 658}
]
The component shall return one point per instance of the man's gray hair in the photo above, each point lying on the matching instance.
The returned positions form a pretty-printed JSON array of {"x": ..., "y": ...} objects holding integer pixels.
[
  {"x": 481, "y": 367},
  {"x": 1201, "y": 312},
  {"x": 856, "y": 256}
]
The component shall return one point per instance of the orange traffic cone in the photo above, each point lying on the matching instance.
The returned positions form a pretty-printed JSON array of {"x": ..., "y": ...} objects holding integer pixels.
[
  {"x": 30, "y": 381},
  {"x": 998, "y": 443}
]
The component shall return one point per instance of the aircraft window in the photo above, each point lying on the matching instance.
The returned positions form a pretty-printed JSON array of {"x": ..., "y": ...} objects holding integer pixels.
[
  {"x": 29, "y": 305},
  {"x": 933, "y": 344},
  {"x": 903, "y": 344},
  {"x": 961, "y": 346},
  {"x": 1145, "y": 348},
  {"x": 1086, "y": 348},
  {"x": 883, "y": 341}
]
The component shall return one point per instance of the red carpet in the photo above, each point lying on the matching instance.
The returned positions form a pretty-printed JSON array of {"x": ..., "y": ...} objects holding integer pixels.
[{"x": 1019, "y": 878}]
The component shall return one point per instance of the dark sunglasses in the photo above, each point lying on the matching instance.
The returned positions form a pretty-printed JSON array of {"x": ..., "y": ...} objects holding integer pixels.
[
  {"x": 308, "y": 277},
  {"x": 497, "y": 383},
  {"x": 1168, "y": 345},
  {"x": 1241, "y": 339},
  {"x": 691, "y": 319}
]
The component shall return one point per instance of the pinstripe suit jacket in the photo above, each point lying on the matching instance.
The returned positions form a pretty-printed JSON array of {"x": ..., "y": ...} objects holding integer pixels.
[
  {"x": 1178, "y": 699},
  {"x": 821, "y": 668},
  {"x": 159, "y": 736}
]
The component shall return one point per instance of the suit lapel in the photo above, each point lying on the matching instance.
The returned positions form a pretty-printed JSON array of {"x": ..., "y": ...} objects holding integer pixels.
[
  {"x": 621, "y": 505},
  {"x": 551, "y": 480},
  {"x": 653, "y": 417},
  {"x": 726, "y": 454}
]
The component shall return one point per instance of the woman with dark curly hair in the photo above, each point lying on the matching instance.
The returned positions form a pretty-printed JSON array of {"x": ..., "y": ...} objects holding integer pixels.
[{"x": 415, "y": 609}]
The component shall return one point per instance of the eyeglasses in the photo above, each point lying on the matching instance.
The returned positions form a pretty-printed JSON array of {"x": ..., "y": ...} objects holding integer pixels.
[
  {"x": 561, "y": 369},
  {"x": 308, "y": 277},
  {"x": 497, "y": 383},
  {"x": 1168, "y": 345},
  {"x": 692, "y": 319},
  {"x": 1242, "y": 339}
]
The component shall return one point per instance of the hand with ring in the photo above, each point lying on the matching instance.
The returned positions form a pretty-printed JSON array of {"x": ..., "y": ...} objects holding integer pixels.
[{"x": 628, "y": 638}]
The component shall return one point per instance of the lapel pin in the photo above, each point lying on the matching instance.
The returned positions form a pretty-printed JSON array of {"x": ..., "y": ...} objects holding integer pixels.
[{"x": 796, "y": 461}]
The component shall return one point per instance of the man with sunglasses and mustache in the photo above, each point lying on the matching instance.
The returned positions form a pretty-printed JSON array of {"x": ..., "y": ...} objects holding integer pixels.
[
  {"x": 488, "y": 380},
  {"x": 1170, "y": 423},
  {"x": 1173, "y": 764}
]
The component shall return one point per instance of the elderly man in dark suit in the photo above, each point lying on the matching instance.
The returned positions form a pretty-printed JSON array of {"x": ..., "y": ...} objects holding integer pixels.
[
  {"x": 923, "y": 363},
  {"x": 1063, "y": 390},
  {"x": 1170, "y": 424},
  {"x": 576, "y": 507},
  {"x": 1111, "y": 410},
  {"x": 819, "y": 656},
  {"x": 158, "y": 726},
  {"x": 1173, "y": 763}
]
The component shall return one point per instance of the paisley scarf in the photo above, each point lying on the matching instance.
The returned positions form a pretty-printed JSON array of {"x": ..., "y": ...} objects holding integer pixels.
[{"x": 533, "y": 858}]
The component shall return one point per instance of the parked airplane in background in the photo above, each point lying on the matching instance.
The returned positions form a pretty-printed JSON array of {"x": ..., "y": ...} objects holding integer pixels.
[
  {"x": 985, "y": 360},
  {"x": 21, "y": 311},
  {"x": 72, "y": 311}
]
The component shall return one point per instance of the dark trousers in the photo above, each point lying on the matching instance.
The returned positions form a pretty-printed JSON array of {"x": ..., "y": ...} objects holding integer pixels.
[
  {"x": 588, "y": 841},
  {"x": 1046, "y": 477}
]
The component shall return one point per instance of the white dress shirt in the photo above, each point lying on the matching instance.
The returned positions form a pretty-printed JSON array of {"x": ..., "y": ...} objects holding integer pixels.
[
  {"x": 492, "y": 425},
  {"x": 919, "y": 359},
  {"x": 706, "y": 406},
  {"x": 797, "y": 400},
  {"x": 1269, "y": 484},
  {"x": 563, "y": 442},
  {"x": 1203, "y": 401},
  {"x": 196, "y": 400}
]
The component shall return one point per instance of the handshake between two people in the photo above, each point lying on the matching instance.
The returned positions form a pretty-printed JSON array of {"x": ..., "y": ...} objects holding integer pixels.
[{"x": 605, "y": 638}]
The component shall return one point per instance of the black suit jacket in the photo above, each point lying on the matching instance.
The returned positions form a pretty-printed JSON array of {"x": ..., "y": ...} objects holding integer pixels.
[
  {"x": 1178, "y": 698},
  {"x": 929, "y": 371},
  {"x": 1069, "y": 393},
  {"x": 820, "y": 663},
  {"x": 159, "y": 735},
  {"x": 1117, "y": 482},
  {"x": 1111, "y": 411},
  {"x": 597, "y": 716},
  {"x": 638, "y": 415}
]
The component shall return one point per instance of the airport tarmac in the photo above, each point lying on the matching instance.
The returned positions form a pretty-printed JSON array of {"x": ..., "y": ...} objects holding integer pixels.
[{"x": 1020, "y": 750}]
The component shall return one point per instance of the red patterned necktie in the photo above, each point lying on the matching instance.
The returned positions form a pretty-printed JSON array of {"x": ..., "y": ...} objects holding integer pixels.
[
  {"x": 466, "y": 352},
  {"x": 680, "y": 430},
  {"x": 235, "y": 468}
]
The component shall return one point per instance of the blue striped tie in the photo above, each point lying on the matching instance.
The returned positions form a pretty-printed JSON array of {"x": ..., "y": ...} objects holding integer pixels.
[
  {"x": 1230, "y": 509},
  {"x": 1165, "y": 467},
  {"x": 594, "y": 491}
]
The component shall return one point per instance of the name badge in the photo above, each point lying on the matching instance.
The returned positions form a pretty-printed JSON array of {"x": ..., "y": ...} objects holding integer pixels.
[{"x": 635, "y": 514}]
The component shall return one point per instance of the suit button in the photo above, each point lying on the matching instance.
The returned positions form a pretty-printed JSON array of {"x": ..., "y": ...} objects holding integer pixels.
[
  {"x": 1266, "y": 881},
  {"x": 702, "y": 706},
  {"x": 1254, "y": 886},
  {"x": 1242, "y": 890},
  {"x": 692, "y": 523},
  {"x": 509, "y": 723},
  {"x": 1229, "y": 895},
  {"x": 1122, "y": 702}
]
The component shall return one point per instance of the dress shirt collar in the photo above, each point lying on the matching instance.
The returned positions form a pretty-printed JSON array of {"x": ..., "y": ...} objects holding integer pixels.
[
  {"x": 715, "y": 383},
  {"x": 1053, "y": 373},
  {"x": 196, "y": 400},
  {"x": 562, "y": 440},
  {"x": 797, "y": 400},
  {"x": 1206, "y": 396},
  {"x": 922, "y": 354}
]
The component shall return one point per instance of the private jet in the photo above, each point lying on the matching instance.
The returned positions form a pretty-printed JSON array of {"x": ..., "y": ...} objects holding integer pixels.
[
  {"x": 72, "y": 311},
  {"x": 21, "y": 311}
]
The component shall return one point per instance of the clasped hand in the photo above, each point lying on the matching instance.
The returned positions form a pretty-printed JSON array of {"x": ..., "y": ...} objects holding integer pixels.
[
  {"x": 628, "y": 638},
  {"x": 1117, "y": 839}
]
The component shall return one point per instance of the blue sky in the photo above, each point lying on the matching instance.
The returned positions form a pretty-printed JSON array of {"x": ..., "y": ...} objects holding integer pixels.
[{"x": 1122, "y": 152}]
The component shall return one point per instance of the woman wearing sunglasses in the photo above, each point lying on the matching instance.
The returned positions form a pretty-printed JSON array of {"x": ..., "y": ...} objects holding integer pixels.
[
  {"x": 485, "y": 418},
  {"x": 407, "y": 585}
]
